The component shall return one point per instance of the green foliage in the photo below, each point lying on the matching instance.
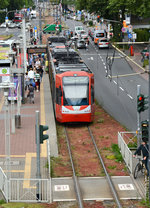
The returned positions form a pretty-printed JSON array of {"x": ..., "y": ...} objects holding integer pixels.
[
  {"x": 112, "y": 167},
  {"x": 111, "y": 157},
  {"x": 91, "y": 23},
  {"x": 132, "y": 144},
  {"x": 145, "y": 202},
  {"x": 2, "y": 201},
  {"x": 117, "y": 153},
  {"x": 142, "y": 34}
]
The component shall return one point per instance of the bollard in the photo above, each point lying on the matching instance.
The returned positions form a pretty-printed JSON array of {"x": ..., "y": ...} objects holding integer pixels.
[
  {"x": 131, "y": 51},
  {"x": 18, "y": 121}
]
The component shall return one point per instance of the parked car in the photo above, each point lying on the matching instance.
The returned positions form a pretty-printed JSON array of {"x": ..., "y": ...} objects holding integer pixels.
[
  {"x": 103, "y": 43},
  {"x": 3, "y": 25},
  {"x": 10, "y": 24},
  {"x": 83, "y": 35},
  {"x": 81, "y": 43}
]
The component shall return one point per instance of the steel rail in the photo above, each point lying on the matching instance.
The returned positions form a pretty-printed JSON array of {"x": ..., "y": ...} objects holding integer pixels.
[
  {"x": 77, "y": 187},
  {"x": 112, "y": 187}
]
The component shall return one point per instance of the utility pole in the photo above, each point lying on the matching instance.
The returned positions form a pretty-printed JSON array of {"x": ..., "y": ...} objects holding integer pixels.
[
  {"x": 40, "y": 25},
  {"x": 25, "y": 57}
]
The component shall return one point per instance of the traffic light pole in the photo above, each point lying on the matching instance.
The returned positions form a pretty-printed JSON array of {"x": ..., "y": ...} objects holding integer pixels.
[
  {"x": 138, "y": 118},
  {"x": 38, "y": 173}
]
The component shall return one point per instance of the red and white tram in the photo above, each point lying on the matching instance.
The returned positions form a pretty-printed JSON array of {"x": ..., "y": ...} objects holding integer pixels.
[{"x": 72, "y": 87}]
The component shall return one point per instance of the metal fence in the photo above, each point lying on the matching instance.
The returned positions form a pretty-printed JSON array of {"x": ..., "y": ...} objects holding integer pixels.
[
  {"x": 25, "y": 190},
  {"x": 3, "y": 184},
  {"x": 31, "y": 190},
  {"x": 123, "y": 140}
]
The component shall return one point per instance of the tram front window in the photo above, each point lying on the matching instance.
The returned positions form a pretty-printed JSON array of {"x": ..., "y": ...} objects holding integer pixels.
[{"x": 76, "y": 90}]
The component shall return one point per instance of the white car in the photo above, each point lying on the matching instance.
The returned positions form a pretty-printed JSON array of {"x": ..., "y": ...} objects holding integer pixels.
[
  {"x": 3, "y": 25},
  {"x": 10, "y": 24},
  {"x": 103, "y": 43}
]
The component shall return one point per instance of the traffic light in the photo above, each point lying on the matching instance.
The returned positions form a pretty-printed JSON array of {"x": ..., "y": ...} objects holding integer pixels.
[
  {"x": 98, "y": 18},
  {"x": 42, "y": 135},
  {"x": 141, "y": 103},
  {"x": 145, "y": 127}
]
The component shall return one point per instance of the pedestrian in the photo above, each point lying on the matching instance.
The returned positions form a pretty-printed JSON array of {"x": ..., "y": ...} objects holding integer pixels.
[
  {"x": 41, "y": 72},
  {"x": 145, "y": 152},
  {"x": 31, "y": 75},
  {"x": 26, "y": 79},
  {"x": 37, "y": 63},
  {"x": 37, "y": 81},
  {"x": 86, "y": 46},
  {"x": 31, "y": 93}
]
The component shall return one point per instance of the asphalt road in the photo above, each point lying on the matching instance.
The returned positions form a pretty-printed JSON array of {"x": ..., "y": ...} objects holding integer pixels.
[{"x": 119, "y": 95}]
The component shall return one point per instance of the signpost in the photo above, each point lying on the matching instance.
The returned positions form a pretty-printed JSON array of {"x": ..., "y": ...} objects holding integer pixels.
[{"x": 35, "y": 32}]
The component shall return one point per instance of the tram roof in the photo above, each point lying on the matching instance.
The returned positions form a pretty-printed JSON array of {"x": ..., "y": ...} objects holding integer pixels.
[
  {"x": 58, "y": 39},
  {"x": 72, "y": 67}
]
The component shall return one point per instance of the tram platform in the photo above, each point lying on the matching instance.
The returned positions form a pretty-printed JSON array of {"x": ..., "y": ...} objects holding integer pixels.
[{"x": 23, "y": 162}]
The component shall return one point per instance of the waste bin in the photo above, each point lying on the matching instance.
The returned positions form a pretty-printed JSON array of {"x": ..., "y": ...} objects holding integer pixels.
[{"x": 18, "y": 121}]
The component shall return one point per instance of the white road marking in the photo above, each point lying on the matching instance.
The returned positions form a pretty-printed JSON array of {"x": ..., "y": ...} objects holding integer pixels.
[
  {"x": 130, "y": 96},
  {"x": 121, "y": 88},
  {"x": 114, "y": 81}
]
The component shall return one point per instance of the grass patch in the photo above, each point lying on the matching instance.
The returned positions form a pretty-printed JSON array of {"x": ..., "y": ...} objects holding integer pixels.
[
  {"x": 97, "y": 113},
  {"x": 2, "y": 201},
  {"x": 112, "y": 167},
  {"x": 101, "y": 120},
  {"x": 111, "y": 157},
  {"x": 101, "y": 137},
  {"x": 106, "y": 148},
  {"x": 55, "y": 161},
  {"x": 117, "y": 153},
  {"x": 22, "y": 205},
  {"x": 97, "y": 127}
]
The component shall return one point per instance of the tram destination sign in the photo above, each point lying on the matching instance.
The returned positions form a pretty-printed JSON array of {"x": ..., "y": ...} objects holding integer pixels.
[{"x": 36, "y": 50}]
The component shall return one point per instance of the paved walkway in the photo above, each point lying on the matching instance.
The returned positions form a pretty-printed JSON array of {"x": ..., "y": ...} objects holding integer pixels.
[
  {"x": 135, "y": 61},
  {"x": 22, "y": 142}
]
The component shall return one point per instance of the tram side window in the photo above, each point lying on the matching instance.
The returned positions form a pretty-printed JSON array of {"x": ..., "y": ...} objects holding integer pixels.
[
  {"x": 92, "y": 95},
  {"x": 58, "y": 95}
]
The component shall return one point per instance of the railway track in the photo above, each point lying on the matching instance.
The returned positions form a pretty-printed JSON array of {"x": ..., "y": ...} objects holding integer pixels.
[{"x": 75, "y": 178}]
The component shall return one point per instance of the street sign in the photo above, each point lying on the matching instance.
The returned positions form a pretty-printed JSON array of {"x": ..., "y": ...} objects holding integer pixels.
[
  {"x": 134, "y": 36},
  {"x": 35, "y": 32},
  {"x": 129, "y": 35},
  {"x": 124, "y": 29},
  {"x": 130, "y": 28},
  {"x": 6, "y": 19}
]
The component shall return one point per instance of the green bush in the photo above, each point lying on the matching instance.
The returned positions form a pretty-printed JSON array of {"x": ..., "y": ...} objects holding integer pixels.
[
  {"x": 91, "y": 23},
  {"x": 142, "y": 34}
]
